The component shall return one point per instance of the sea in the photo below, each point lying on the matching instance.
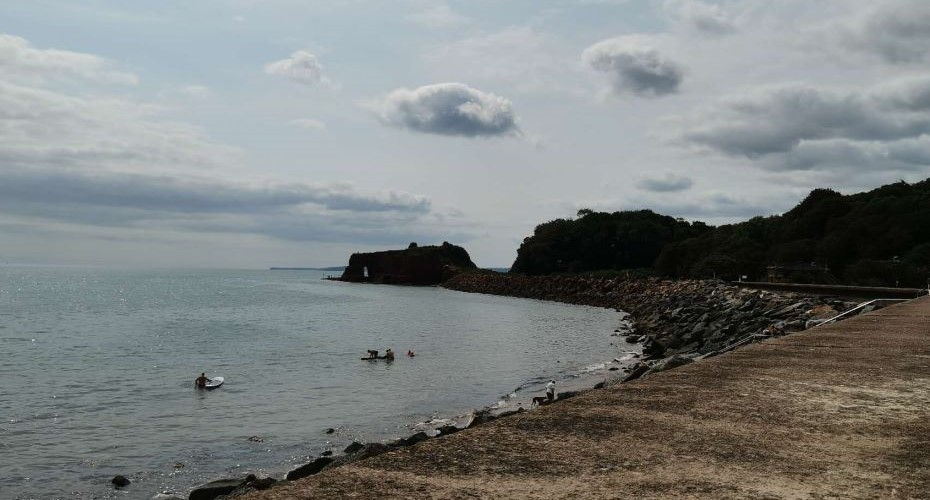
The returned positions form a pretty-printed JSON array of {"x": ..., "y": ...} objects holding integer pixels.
[{"x": 97, "y": 368}]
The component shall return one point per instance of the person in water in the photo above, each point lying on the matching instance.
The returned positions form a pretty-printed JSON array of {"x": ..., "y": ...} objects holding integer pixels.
[
  {"x": 550, "y": 391},
  {"x": 389, "y": 355},
  {"x": 410, "y": 354},
  {"x": 202, "y": 380}
]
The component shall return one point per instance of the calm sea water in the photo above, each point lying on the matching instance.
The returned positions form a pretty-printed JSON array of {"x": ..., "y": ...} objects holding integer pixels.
[{"x": 96, "y": 370}]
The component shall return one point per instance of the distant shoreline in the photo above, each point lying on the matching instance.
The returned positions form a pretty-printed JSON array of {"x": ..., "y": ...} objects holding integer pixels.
[{"x": 336, "y": 268}]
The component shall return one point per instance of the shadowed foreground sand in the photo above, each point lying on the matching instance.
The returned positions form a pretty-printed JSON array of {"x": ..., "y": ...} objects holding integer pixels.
[{"x": 839, "y": 411}]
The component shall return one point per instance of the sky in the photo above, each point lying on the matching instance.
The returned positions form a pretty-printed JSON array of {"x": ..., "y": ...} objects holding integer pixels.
[{"x": 257, "y": 133}]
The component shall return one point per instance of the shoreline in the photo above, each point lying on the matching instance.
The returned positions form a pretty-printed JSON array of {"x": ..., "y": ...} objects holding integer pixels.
[
  {"x": 616, "y": 363},
  {"x": 647, "y": 331},
  {"x": 829, "y": 413}
]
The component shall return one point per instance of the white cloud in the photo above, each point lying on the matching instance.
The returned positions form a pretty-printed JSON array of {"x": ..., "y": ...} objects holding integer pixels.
[
  {"x": 301, "y": 67},
  {"x": 49, "y": 128},
  {"x": 449, "y": 109},
  {"x": 634, "y": 66},
  {"x": 700, "y": 16},
  {"x": 520, "y": 57},
  {"x": 435, "y": 15},
  {"x": 307, "y": 123},
  {"x": 20, "y": 60}
]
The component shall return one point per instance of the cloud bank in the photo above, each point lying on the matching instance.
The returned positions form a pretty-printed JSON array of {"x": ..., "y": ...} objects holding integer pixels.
[
  {"x": 634, "y": 67},
  {"x": 452, "y": 109},
  {"x": 665, "y": 184},
  {"x": 801, "y": 127},
  {"x": 898, "y": 31},
  {"x": 83, "y": 162},
  {"x": 20, "y": 60}
]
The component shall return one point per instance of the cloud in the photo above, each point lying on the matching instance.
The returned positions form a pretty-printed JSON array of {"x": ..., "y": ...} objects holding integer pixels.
[
  {"x": 114, "y": 164},
  {"x": 20, "y": 60},
  {"x": 301, "y": 67},
  {"x": 453, "y": 109},
  {"x": 190, "y": 194},
  {"x": 801, "y": 127},
  {"x": 668, "y": 183},
  {"x": 778, "y": 119},
  {"x": 845, "y": 155},
  {"x": 519, "y": 58},
  {"x": 896, "y": 30},
  {"x": 634, "y": 67},
  {"x": 52, "y": 129},
  {"x": 307, "y": 123},
  {"x": 711, "y": 205},
  {"x": 436, "y": 16},
  {"x": 701, "y": 17},
  {"x": 197, "y": 92}
]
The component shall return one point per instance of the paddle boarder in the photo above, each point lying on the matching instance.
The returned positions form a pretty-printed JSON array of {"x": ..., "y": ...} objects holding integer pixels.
[{"x": 202, "y": 380}]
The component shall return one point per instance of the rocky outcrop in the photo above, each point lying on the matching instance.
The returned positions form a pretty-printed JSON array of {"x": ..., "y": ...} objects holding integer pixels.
[
  {"x": 429, "y": 265},
  {"x": 688, "y": 317},
  {"x": 219, "y": 487}
]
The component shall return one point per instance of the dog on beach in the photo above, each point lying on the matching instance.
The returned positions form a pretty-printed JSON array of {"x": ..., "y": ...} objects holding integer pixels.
[{"x": 540, "y": 400}]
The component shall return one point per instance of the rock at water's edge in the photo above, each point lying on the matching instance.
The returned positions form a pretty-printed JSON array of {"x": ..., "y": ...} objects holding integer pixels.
[{"x": 309, "y": 469}]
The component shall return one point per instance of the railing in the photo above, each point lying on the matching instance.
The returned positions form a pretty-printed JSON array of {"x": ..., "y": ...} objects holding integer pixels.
[
  {"x": 856, "y": 309},
  {"x": 756, "y": 336}
]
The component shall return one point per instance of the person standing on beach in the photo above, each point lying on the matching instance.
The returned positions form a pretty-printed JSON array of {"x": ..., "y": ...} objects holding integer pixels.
[{"x": 550, "y": 391}]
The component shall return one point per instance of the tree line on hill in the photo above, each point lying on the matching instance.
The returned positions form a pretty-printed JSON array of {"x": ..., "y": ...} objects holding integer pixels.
[{"x": 876, "y": 238}]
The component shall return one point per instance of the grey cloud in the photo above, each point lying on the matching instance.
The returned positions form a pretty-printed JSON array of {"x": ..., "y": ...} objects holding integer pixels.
[
  {"x": 843, "y": 155},
  {"x": 115, "y": 164},
  {"x": 668, "y": 183},
  {"x": 171, "y": 194},
  {"x": 896, "y": 30},
  {"x": 701, "y": 17},
  {"x": 301, "y": 67},
  {"x": 449, "y": 109},
  {"x": 699, "y": 206},
  {"x": 634, "y": 67},
  {"x": 779, "y": 121},
  {"x": 19, "y": 59}
]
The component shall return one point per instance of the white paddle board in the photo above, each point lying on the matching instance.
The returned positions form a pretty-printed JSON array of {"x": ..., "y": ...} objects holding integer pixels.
[{"x": 214, "y": 383}]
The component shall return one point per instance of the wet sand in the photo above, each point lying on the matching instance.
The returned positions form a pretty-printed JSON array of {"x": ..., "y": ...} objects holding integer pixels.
[{"x": 838, "y": 411}]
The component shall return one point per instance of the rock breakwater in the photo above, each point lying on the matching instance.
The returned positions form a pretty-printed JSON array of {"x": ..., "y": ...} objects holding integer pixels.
[{"x": 670, "y": 317}]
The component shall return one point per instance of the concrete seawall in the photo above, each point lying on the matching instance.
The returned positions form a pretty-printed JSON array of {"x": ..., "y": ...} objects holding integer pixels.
[{"x": 838, "y": 411}]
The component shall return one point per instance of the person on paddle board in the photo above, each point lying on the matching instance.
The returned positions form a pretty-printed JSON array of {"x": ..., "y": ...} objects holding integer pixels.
[{"x": 202, "y": 380}]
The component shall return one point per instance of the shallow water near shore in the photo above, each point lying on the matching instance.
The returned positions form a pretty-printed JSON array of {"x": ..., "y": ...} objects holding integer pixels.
[{"x": 96, "y": 370}]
